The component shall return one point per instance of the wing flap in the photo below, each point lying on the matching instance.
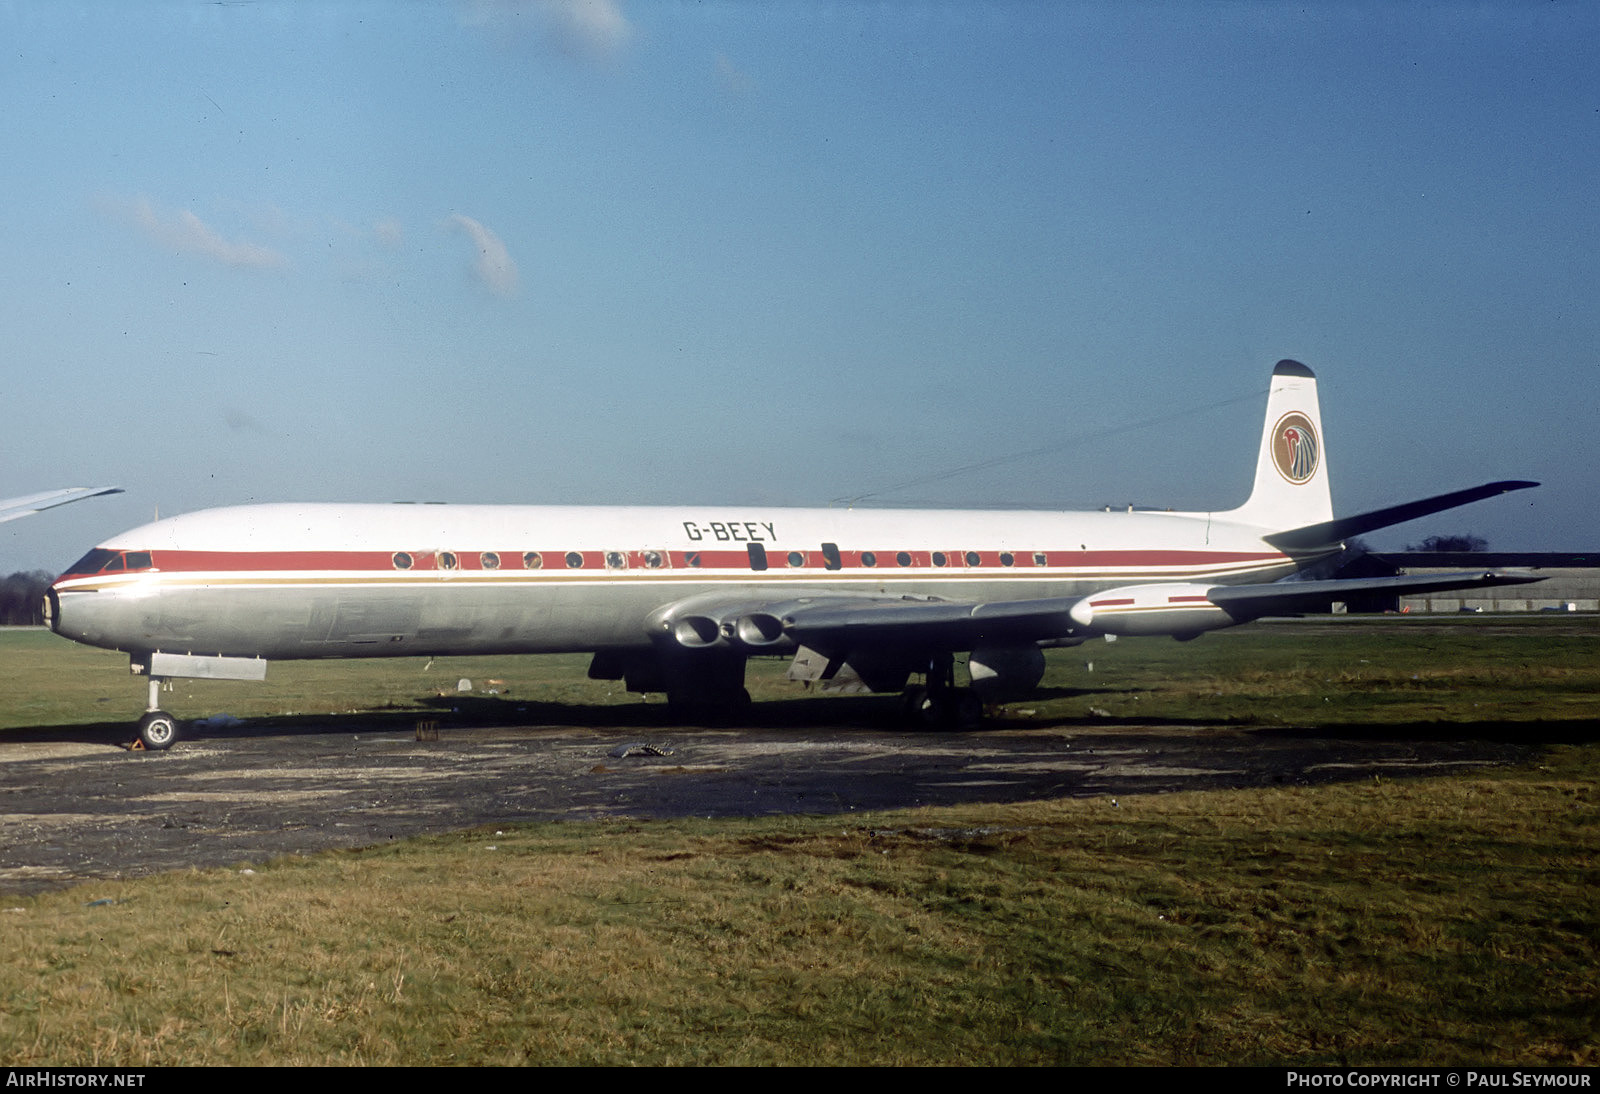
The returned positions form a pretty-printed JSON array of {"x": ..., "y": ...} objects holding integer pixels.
[{"x": 928, "y": 623}]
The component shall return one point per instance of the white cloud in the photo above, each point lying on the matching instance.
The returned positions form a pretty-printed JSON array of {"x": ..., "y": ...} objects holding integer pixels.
[
  {"x": 588, "y": 28},
  {"x": 493, "y": 266},
  {"x": 591, "y": 26},
  {"x": 389, "y": 232},
  {"x": 734, "y": 81},
  {"x": 184, "y": 232}
]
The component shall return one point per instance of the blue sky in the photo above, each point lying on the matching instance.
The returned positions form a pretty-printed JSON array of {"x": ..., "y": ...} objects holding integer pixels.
[{"x": 787, "y": 253}]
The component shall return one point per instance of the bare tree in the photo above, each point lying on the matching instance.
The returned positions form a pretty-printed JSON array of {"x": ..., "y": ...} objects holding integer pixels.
[
  {"x": 1439, "y": 544},
  {"x": 22, "y": 597}
]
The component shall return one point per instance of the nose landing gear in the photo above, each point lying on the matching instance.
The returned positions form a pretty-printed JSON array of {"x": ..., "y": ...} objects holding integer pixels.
[{"x": 158, "y": 730}]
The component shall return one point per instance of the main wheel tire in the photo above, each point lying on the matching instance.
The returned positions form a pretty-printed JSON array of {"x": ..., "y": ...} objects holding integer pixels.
[
  {"x": 966, "y": 711},
  {"x": 158, "y": 730},
  {"x": 916, "y": 711},
  {"x": 950, "y": 709}
]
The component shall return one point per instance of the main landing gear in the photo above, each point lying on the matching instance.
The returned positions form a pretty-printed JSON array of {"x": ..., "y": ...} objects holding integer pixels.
[
  {"x": 723, "y": 706},
  {"x": 940, "y": 704},
  {"x": 708, "y": 688},
  {"x": 158, "y": 730}
]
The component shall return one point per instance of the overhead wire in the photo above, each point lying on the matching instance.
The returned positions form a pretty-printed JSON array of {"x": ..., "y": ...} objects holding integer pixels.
[{"x": 1045, "y": 450}]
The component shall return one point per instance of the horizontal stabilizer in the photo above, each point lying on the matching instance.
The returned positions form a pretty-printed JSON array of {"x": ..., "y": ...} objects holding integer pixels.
[
  {"x": 1332, "y": 532},
  {"x": 1253, "y": 601}
]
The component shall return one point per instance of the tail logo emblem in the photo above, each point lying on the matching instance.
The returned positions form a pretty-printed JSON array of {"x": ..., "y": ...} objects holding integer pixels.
[{"x": 1295, "y": 448}]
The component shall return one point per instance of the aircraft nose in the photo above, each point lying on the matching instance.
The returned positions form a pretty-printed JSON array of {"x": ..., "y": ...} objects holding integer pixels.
[
  {"x": 52, "y": 609},
  {"x": 57, "y": 611}
]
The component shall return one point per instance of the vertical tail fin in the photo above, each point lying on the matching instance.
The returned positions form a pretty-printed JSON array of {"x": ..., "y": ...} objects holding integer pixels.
[{"x": 1291, "y": 487}]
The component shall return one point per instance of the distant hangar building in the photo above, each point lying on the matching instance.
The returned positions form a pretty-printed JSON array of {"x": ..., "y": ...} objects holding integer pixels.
[{"x": 1571, "y": 581}]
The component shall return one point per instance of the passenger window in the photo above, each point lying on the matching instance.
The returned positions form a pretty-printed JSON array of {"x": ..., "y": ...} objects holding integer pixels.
[
  {"x": 758, "y": 556},
  {"x": 574, "y": 560},
  {"x": 830, "y": 556},
  {"x": 532, "y": 560}
]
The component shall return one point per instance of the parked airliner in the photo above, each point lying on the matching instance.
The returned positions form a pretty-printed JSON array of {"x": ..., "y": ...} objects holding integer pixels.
[{"x": 675, "y": 600}]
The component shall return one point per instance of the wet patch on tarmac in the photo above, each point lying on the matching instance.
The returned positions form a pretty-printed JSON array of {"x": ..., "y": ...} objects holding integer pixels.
[{"x": 84, "y": 809}]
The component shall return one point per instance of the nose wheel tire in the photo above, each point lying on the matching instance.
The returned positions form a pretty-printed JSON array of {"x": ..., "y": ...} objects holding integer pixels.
[{"x": 157, "y": 731}]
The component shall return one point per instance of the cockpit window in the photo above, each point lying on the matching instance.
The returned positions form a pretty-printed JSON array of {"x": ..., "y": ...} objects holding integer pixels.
[
  {"x": 102, "y": 561},
  {"x": 93, "y": 562}
]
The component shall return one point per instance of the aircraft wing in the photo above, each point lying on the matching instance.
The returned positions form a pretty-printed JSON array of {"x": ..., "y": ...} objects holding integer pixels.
[
  {"x": 955, "y": 625},
  {"x": 929, "y": 624},
  {"x": 28, "y": 504},
  {"x": 1286, "y": 597}
]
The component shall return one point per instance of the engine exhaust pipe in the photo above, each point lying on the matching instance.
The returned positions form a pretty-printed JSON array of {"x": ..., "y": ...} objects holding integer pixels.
[{"x": 759, "y": 629}]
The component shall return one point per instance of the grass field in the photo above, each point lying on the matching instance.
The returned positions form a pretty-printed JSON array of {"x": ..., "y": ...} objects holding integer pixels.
[
  {"x": 1426, "y": 921},
  {"x": 1537, "y": 669}
]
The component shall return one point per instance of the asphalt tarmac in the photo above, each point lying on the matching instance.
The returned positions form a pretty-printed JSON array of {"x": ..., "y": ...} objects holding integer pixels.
[{"x": 82, "y": 808}]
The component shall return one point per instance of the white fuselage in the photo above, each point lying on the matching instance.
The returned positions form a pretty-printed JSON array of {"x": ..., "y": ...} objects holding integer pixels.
[{"x": 370, "y": 580}]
